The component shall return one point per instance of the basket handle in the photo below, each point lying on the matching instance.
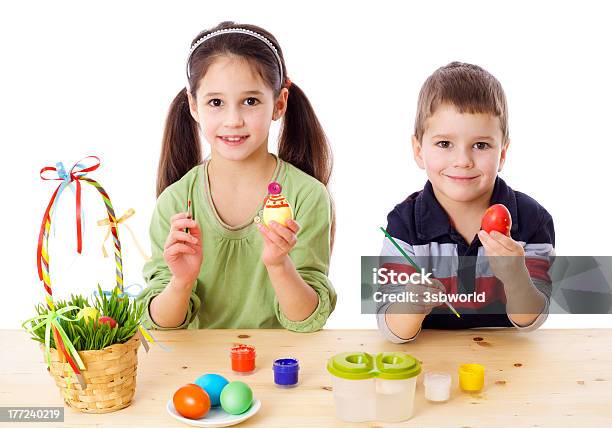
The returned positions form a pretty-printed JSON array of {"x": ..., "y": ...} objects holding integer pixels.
[{"x": 77, "y": 174}]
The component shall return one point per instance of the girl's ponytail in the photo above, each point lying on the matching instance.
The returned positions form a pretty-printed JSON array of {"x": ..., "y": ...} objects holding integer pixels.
[
  {"x": 302, "y": 141},
  {"x": 180, "y": 145}
]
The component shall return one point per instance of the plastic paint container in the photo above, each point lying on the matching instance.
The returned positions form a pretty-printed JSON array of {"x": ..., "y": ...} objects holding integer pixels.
[
  {"x": 437, "y": 386},
  {"x": 243, "y": 359},
  {"x": 286, "y": 372},
  {"x": 379, "y": 387},
  {"x": 471, "y": 377}
]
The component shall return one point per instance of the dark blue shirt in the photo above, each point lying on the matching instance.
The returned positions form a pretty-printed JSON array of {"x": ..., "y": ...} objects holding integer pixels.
[{"x": 423, "y": 228}]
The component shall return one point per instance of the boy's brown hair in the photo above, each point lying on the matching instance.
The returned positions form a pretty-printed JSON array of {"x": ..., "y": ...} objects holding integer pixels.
[{"x": 469, "y": 88}]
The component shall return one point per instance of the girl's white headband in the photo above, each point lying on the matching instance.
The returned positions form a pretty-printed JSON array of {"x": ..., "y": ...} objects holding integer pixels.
[{"x": 235, "y": 31}]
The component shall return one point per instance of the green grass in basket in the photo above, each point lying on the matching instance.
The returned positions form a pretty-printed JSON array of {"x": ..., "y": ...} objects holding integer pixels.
[{"x": 88, "y": 335}]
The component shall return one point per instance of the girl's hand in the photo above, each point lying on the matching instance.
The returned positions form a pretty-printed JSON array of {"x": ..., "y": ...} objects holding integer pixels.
[
  {"x": 506, "y": 256},
  {"x": 183, "y": 251},
  {"x": 278, "y": 241}
]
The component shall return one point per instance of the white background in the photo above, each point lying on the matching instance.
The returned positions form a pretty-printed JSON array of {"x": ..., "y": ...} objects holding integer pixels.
[{"x": 79, "y": 79}]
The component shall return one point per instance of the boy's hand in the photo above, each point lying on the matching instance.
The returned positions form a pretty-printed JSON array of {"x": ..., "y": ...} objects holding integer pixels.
[
  {"x": 278, "y": 241},
  {"x": 183, "y": 251},
  {"x": 506, "y": 256},
  {"x": 420, "y": 299}
]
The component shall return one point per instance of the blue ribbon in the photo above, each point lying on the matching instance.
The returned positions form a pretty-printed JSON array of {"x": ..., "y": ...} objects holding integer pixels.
[
  {"x": 124, "y": 293},
  {"x": 67, "y": 183}
]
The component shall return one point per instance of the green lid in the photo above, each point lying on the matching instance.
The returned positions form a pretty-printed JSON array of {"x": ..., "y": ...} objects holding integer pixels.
[
  {"x": 361, "y": 365},
  {"x": 397, "y": 365},
  {"x": 351, "y": 365}
]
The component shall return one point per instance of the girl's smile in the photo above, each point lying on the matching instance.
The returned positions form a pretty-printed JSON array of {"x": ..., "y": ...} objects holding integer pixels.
[{"x": 233, "y": 140}]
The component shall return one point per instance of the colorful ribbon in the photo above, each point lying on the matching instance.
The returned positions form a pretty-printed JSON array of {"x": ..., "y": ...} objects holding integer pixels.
[
  {"x": 76, "y": 175},
  {"x": 50, "y": 321},
  {"x": 106, "y": 222},
  {"x": 123, "y": 293},
  {"x": 77, "y": 172},
  {"x": 67, "y": 183},
  {"x": 148, "y": 337}
]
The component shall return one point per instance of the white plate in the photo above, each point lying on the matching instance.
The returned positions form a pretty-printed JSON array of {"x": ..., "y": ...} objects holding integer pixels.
[{"x": 216, "y": 417}]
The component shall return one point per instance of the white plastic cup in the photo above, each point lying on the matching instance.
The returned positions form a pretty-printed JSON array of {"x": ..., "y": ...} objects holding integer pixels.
[
  {"x": 437, "y": 386},
  {"x": 355, "y": 399},
  {"x": 395, "y": 399}
]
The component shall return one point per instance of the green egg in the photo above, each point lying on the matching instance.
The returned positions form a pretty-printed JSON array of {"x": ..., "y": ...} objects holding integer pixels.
[{"x": 236, "y": 398}]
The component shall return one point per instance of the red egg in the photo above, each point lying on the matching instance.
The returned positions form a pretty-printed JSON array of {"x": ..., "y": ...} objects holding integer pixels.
[
  {"x": 191, "y": 401},
  {"x": 497, "y": 217},
  {"x": 107, "y": 320}
]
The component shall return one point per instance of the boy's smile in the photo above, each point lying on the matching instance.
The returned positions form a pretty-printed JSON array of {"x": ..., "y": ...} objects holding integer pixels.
[{"x": 461, "y": 154}]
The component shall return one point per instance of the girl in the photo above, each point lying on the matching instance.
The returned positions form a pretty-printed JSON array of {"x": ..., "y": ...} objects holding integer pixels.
[{"x": 217, "y": 266}]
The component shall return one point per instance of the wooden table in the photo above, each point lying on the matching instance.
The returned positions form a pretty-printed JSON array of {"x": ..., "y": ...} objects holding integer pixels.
[{"x": 553, "y": 378}]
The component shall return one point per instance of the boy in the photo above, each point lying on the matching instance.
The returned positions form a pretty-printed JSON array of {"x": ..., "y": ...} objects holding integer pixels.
[{"x": 461, "y": 140}]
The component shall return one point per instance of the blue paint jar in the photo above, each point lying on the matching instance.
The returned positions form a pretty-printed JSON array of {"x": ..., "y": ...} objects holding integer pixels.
[{"x": 286, "y": 372}]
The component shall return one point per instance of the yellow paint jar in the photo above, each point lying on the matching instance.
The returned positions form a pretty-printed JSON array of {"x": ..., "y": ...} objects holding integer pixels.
[{"x": 471, "y": 377}]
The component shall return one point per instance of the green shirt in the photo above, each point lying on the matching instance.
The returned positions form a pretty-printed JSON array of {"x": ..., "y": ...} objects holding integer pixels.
[{"x": 233, "y": 289}]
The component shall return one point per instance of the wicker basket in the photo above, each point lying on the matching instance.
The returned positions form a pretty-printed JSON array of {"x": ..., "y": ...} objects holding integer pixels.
[{"x": 110, "y": 374}]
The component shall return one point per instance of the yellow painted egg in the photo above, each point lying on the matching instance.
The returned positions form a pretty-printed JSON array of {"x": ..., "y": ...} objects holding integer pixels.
[
  {"x": 89, "y": 314},
  {"x": 277, "y": 207}
]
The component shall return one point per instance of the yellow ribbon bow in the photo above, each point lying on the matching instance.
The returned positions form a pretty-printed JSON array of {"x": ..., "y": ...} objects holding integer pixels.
[{"x": 106, "y": 222}]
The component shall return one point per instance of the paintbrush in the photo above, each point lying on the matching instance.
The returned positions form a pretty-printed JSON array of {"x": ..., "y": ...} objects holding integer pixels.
[
  {"x": 188, "y": 213},
  {"x": 414, "y": 265}
]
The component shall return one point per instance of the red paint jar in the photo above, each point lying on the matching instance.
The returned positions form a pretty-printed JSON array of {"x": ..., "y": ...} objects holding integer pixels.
[{"x": 243, "y": 359}]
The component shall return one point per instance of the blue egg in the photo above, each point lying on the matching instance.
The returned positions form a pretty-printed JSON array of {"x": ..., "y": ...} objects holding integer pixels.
[{"x": 213, "y": 384}]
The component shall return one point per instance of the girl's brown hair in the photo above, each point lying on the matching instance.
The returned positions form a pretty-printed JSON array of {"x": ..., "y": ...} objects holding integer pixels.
[
  {"x": 302, "y": 141},
  {"x": 469, "y": 88}
]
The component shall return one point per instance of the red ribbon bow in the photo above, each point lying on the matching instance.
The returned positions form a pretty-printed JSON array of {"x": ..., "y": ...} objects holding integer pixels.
[{"x": 77, "y": 172}]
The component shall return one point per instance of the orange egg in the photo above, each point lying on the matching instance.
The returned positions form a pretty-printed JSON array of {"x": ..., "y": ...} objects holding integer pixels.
[{"x": 191, "y": 401}]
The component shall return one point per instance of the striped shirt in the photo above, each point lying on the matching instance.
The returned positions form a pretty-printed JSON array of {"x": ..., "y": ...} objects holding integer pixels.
[{"x": 424, "y": 231}]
